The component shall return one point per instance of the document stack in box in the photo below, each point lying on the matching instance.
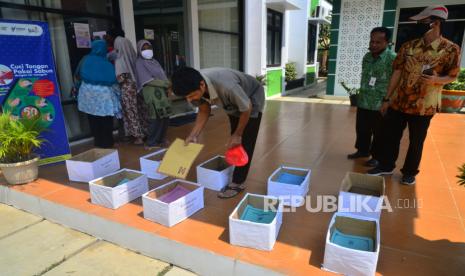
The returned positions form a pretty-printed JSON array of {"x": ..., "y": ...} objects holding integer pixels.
[
  {"x": 256, "y": 221},
  {"x": 214, "y": 174},
  {"x": 353, "y": 237},
  {"x": 362, "y": 194},
  {"x": 352, "y": 245},
  {"x": 118, "y": 188},
  {"x": 290, "y": 184},
  {"x": 92, "y": 164},
  {"x": 173, "y": 202}
]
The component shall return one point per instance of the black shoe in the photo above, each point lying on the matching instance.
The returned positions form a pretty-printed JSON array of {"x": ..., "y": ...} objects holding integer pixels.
[
  {"x": 357, "y": 154},
  {"x": 379, "y": 171},
  {"x": 408, "y": 180},
  {"x": 371, "y": 163}
]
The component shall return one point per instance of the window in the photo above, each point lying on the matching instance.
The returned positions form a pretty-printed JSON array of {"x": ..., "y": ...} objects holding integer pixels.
[
  {"x": 311, "y": 43},
  {"x": 220, "y": 33},
  {"x": 274, "y": 37}
]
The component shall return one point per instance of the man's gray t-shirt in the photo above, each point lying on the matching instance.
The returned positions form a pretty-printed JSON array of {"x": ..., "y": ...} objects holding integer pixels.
[{"x": 235, "y": 90}]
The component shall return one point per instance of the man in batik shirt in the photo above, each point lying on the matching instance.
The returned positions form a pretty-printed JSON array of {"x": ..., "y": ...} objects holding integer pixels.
[{"x": 422, "y": 67}]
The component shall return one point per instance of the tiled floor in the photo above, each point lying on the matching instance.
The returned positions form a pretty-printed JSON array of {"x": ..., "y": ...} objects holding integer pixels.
[{"x": 419, "y": 240}]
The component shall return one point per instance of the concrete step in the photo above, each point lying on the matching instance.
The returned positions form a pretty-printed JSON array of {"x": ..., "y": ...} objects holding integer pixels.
[
  {"x": 13, "y": 220},
  {"x": 40, "y": 247},
  {"x": 103, "y": 258}
]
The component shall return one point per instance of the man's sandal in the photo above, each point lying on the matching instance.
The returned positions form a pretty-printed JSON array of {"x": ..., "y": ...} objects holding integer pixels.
[{"x": 231, "y": 191}]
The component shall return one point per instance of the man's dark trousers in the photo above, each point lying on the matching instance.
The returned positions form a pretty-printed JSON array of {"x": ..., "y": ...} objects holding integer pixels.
[
  {"x": 367, "y": 126},
  {"x": 393, "y": 128},
  {"x": 249, "y": 137}
]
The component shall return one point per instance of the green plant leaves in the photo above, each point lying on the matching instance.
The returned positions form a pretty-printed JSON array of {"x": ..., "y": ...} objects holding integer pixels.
[{"x": 18, "y": 138}]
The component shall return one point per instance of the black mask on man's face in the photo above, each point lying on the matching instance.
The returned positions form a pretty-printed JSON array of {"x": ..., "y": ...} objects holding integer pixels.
[
  {"x": 423, "y": 28},
  {"x": 197, "y": 103}
]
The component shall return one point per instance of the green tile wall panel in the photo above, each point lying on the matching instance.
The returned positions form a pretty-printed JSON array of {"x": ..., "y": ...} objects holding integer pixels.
[
  {"x": 389, "y": 18},
  {"x": 332, "y": 51},
  {"x": 390, "y": 4},
  {"x": 335, "y": 21},
  {"x": 336, "y": 6},
  {"x": 334, "y": 37},
  {"x": 274, "y": 80},
  {"x": 332, "y": 67},
  {"x": 330, "y": 85}
]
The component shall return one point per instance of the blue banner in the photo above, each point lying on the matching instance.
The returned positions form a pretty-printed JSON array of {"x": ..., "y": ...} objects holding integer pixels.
[{"x": 28, "y": 83}]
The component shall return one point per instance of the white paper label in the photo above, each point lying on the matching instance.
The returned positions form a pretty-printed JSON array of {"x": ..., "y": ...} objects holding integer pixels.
[{"x": 372, "y": 81}]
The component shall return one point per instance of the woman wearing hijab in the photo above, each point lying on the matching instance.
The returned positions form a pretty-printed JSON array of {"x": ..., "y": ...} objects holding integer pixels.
[
  {"x": 98, "y": 93},
  {"x": 133, "y": 104},
  {"x": 152, "y": 81}
]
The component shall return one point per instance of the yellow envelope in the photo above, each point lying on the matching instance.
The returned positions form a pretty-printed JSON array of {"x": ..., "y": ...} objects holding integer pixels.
[{"x": 179, "y": 158}]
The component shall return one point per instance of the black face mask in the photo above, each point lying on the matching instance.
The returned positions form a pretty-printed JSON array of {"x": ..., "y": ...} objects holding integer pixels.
[
  {"x": 197, "y": 103},
  {"x": 423, "y": 28}
]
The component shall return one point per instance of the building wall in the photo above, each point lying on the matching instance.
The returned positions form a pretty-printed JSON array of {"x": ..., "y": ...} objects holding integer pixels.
[
  {"x": 297, "y": 32},
  {"x": 356, "y": 18}
]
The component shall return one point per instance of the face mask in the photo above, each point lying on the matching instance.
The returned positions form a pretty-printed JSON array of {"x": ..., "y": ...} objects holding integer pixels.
[
  {"x": 147, "y": 54},
  {"x": 423, "y": 28},
  {"x": 197, "y": 103}
]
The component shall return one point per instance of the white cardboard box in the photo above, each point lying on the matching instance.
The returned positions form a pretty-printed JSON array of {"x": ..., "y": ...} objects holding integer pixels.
[
  {"x": 170, "y": 214},
  {"x": 92, "y": 164},
  {"x": 214, "y": 174},
  {"x": 349, "y": 261},
  {"x": 291, "y": 195},
  {"x": 106, "y": 192},
  {"x": 149, "y": 164},
  {"x": 362, "y": 194},
  {"x": 251, "y": 234}
]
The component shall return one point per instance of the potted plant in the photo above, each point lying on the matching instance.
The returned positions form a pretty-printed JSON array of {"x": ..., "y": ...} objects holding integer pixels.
[
  {"x": 453, "y": 94},
  {"x": 18, "y": 139},
  {"x": 353, "y": 93},
  {"x": 461, "y": 176},
  {"x": 261, "y": 79},
  {"x": 290, "y": 75}
]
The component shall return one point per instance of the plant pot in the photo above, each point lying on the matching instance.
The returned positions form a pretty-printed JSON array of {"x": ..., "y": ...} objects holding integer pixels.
[
  {"x": 21, "y": 172},
  {"x": 294, "y": 84},
  {"x": 452, "y": 100},
  {"x": 353, "y": 100}
]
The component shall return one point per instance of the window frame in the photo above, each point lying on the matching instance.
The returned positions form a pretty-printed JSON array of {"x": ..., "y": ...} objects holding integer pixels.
[{"x": 277, "y": 33}]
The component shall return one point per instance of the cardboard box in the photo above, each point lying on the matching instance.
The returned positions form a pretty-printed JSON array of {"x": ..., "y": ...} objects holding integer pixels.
[
  {"x": 108, "y": 192},
  {"x": 214, "y": 174},
  {"x": 292, "y": 195},
  {"x": 92, "y": 164},
  {"x": 349, "y": 261},
  {"x": 169, "y": 214},
  {"x": 149, "y": 164},
  {"x": 362, "y": 194},
  {"x": 251, "y": 234}
]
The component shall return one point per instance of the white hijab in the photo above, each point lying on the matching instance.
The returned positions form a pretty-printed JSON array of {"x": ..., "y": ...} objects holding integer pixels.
[{"x": 126, "y": 60}]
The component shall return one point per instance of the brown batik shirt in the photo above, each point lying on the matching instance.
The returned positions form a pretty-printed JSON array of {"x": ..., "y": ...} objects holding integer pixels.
[{"x": 413, "y": 95}]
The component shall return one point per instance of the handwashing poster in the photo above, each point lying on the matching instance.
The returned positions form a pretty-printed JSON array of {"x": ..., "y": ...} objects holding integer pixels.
[{"x": 28, "y": 83}]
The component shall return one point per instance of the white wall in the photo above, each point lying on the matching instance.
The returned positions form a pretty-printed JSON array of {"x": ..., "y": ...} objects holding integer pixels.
[
  {"x": 127, "y": 20},
  {"x": 192, "y": 33},
  {"x": 296, "y": 35},
  {"x": 255, "y": 37}
]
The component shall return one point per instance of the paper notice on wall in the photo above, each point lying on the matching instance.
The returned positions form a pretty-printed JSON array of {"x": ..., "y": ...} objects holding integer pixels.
[
  {"x": 82, "y": 34},
  {"x": 149, "y": 34},
  {"x": 99, "y": 35},
  {"x": 179, "y": 159}
]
